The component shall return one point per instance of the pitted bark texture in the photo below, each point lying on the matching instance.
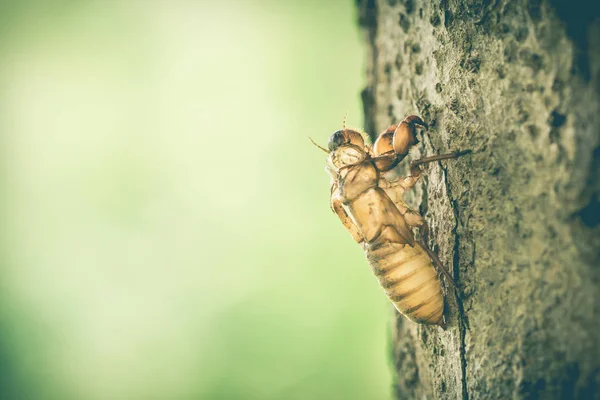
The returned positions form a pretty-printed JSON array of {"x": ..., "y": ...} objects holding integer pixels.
[{"x": 518, "y": 220}]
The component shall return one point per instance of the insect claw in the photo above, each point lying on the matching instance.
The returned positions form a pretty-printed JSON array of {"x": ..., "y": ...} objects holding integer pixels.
[
  {"x": 442, "y": 323},
  {"x": 413, "y": 119},
  {"x": 421, "y": 124}
]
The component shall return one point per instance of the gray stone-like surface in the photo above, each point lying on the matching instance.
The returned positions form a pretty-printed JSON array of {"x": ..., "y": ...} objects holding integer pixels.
[{"x": 518, "y": 221}]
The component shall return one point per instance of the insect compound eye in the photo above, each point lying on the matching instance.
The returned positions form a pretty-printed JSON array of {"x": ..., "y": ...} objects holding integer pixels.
[{"x": 336, "y": 140}]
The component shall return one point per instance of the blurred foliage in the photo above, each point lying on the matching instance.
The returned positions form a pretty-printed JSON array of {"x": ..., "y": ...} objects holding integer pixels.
[{"x": 167, "y": 228}]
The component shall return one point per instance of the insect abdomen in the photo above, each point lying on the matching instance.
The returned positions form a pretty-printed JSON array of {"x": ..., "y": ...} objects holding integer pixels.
[{"x": 410, "y": 281}]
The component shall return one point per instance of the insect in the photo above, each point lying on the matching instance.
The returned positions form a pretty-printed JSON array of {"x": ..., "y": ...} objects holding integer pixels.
[{"x": 373, "y": 210}]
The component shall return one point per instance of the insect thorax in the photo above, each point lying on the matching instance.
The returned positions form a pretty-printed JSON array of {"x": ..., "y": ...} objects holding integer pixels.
[{"x": 356, "y": 180}]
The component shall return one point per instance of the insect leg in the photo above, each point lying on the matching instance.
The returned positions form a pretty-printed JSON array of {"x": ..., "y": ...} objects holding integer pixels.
[
  {"x": 395, "y": 191},
  {"x": 414, "y": 165},
  {"x": 338, "y": 208},
  {"x": 405, "y": 182},
  {"x": 382, "y": 151},
  {"x": 423, "y": 241},
  {"x": 443, "y": 323}
]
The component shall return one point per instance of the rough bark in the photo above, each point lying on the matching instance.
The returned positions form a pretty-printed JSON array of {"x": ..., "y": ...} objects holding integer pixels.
[{"x": 518, "y": 221}]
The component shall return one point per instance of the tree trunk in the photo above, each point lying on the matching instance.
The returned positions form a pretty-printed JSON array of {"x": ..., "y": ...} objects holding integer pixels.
[{"x": 518, "y": 220}]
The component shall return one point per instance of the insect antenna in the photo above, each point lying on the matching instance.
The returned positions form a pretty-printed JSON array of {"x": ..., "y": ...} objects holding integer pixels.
[
  {"x": 344, "y": 121},
  {"x": 322, "y": 148}
]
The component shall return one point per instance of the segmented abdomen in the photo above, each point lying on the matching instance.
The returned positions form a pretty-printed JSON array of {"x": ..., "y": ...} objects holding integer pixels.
[{"x": 410, "y": 281}]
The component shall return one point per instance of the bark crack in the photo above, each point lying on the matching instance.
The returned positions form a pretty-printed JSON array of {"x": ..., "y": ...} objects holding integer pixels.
[
  {"x": 462, "y": 326},
  {"x": 462, "y": 320}
]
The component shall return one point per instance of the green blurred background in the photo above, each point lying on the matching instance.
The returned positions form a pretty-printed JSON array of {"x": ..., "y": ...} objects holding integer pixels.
[{"x": 167, "y": 233}]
